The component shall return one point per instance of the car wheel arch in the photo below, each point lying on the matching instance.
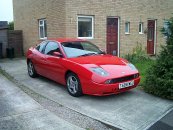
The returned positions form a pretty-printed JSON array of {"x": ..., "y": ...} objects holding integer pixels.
[
  {"x": 67, "y": 72},
  {"x": 28, "y": 60}
]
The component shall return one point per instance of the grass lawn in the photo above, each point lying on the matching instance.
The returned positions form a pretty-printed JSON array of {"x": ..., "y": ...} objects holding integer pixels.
[{"x": 143, "y": 66}]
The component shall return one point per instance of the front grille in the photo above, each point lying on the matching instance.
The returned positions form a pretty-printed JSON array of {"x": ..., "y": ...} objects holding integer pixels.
[{"x": 123, "y": 79}]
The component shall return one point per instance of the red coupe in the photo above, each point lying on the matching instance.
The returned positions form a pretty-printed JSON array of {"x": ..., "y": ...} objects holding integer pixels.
[{"x": 82, "y": 67}]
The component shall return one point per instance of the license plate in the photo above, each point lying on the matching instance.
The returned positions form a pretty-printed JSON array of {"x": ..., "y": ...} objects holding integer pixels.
[{"x": 126, "y": 84}]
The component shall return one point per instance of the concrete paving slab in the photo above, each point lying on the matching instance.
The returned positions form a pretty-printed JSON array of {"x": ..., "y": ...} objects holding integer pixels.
[
  {"x": 13, "y": 100},
  {"x": 20, "y": 112},
  {"x": 133, "y": 110},
  {"x": 35, "y": 120}
]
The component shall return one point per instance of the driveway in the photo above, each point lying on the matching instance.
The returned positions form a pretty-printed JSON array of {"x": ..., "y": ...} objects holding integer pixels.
[
  {"x": 133, "y": 110},
  {"x": 20, "y": 112}
]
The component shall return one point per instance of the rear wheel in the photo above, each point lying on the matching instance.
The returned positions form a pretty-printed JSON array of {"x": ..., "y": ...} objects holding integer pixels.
[
  {"x": 73, "y": 85},
  {"x": 31, "y": 70}
]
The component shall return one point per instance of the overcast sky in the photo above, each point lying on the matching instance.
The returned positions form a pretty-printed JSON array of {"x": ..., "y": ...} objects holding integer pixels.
[{"x": 6, "y": 10}]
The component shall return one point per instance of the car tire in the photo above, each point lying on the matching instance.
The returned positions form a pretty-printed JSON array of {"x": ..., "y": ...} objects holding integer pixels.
[
  {"x": 31, "y": 70},
  {"x": 73, "y": 85}
]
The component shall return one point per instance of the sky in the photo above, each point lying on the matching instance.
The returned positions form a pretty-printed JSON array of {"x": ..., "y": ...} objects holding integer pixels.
[{"x": 6, "y": 10}]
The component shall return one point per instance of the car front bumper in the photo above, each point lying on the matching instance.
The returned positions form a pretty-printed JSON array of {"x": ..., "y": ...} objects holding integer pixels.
[{"x": 92, "y": 88}]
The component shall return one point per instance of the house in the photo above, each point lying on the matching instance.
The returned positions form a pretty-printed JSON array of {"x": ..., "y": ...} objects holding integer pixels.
[
  {"x": 3, "y": 38},
  {"x": 114, "y": 25}
]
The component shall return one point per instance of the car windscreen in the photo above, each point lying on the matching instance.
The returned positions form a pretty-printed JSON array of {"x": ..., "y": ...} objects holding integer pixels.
[{"x": 77, "y": 49}]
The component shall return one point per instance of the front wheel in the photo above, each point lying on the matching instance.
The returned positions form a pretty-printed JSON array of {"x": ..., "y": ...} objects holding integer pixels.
[
  {"x": 31, "y": 70},
  {"x": 73, "y": 85}
]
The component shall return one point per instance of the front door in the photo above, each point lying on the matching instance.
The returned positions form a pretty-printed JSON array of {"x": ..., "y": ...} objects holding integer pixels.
[
  {"x": 112, "y": 36},
  {"x": 151, "y": 37}
]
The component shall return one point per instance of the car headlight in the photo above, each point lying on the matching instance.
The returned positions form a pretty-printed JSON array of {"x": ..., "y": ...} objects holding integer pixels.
[
  {"x": 99, "y": 71},
  {"x": 131, "y": 66}
]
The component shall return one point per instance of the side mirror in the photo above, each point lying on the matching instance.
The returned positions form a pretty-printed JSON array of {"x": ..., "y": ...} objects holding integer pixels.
[{"x": 57, "y": 54}]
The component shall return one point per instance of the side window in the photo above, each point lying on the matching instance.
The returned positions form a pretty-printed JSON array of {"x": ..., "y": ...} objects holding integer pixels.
[
  {"x": 41, "y": 46},
  {"x": 51, "y": 47}
]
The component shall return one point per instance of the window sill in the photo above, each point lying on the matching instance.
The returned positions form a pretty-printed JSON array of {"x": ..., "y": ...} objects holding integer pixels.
[
  {"x": 45, "y": 38},
  {"x": 141, "y": 33},
  {"x": 127, "y": 33},
  {"x": 85, "y": 37}
]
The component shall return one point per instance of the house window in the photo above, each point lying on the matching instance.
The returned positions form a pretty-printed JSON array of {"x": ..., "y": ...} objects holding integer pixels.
[
  {"x": 166, "y": 30},
  {"x": 127, "y": 28},
  {"x": 42, "y": 29},
  {"x": 85, "y": 27},
  {"x": 141, "y": 28}
]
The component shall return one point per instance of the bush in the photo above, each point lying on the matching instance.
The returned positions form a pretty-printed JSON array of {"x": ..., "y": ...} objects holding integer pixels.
[
  {"x": 159, "y": 79},
  {"x": 141, "y": 60},
  {"x": 138, "y": 55},
  {"x": 11, "y": 26}
]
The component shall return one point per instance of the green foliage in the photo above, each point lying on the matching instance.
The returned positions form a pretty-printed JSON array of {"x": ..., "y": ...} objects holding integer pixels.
[
  {"x": 143, "y": 67},
  {"x": 11, "y": 26},
  {"x": 141, "y": 60},
  {"x": 159, "y": 79},
  {"x": 138, "y": 55}
]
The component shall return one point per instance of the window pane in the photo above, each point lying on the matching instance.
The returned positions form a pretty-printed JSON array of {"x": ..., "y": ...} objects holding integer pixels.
[
  {"x": 51, "y": 47},
  {"x": 45, "y": 28},
  {"x": 41, "y": 23},
  {"x": 140, "y": 27},
  {"x": 127, "y": 27},
  {"x": 75, "y": 49},
  {"x": 42, "y": 45},
  {"x": 84, "y": 27},
  {"x": 150, "y": 34},
  {"x": 140, "y": 30},
  {"x": 41, "y": 32}
]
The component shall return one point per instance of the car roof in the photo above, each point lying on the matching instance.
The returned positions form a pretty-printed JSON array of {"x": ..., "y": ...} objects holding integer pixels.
[{"x": 61, "y": 40}]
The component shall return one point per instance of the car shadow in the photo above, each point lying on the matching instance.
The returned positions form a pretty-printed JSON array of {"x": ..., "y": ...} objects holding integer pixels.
[{"x": 106, "y": 97}]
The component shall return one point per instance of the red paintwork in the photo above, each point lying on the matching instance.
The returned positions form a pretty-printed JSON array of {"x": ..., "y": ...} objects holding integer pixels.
[{"x": 55, "y": 68}]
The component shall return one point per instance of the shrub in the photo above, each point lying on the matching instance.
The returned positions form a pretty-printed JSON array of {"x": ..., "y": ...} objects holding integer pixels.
[
  {"x": 11, "y": 26},
  {"x": 159, "y": 79},
  {"x": 141, "y": 60},
  {"x": 138, "y": 55}
]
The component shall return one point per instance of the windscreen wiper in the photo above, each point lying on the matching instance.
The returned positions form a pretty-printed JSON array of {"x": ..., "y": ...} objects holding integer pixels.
[{"x": 88, "y": 54}]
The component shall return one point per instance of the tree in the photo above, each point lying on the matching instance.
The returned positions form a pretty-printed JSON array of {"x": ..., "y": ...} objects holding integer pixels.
[
  {"x": 159, "y": 79},
  {"x": 11, "y": 25}
]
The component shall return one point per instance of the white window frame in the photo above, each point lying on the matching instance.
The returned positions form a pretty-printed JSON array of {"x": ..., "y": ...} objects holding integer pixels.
[
  {"x": 42, "y": 25},
  {"x": 82, "y": 16},
  {"x": 128, "y": 23},
  {"x": 141, "y": 24}
]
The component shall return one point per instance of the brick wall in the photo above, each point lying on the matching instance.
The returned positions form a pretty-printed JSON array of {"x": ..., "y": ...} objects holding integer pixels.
[
  {"x": 134, "y": 11},
  {"x": 3, "y": 42},
  {"x": 61, "y": 18},
  {"x": 15, "y": 40},
  {"x": 28, "y": 12}
]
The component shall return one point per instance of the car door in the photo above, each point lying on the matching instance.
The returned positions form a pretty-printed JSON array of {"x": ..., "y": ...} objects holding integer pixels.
[
  {"x": 54, "y": 67},
  {"x": 39, "y": 58}
]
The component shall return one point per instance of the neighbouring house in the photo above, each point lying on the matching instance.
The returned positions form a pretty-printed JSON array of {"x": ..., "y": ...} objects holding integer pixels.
[
  {"x": 11, "y": 41},
  {"x": 114, "y": 25},
  {"x": 3, "y": 38}
]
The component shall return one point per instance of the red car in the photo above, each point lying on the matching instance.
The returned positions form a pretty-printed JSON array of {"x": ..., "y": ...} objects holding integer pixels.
[{"x": 82, "y": 67}]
